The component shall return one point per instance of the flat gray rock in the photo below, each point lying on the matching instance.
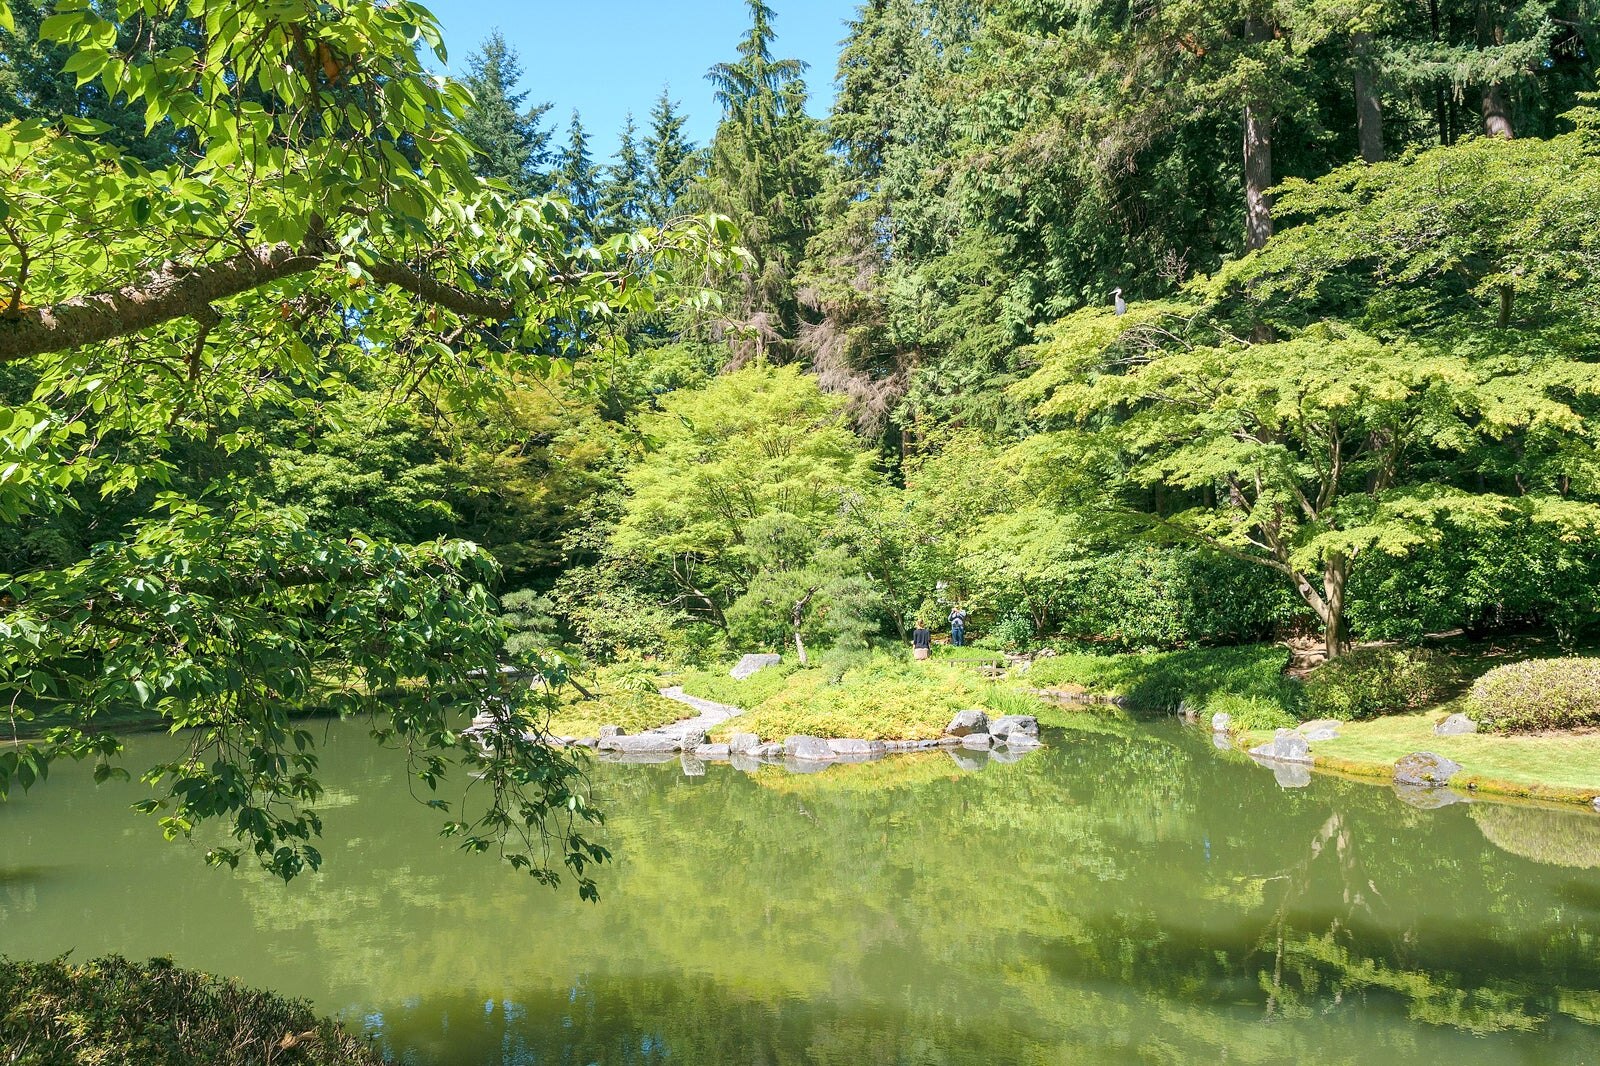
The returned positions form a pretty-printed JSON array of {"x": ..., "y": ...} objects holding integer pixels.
[
  {"x": 1424, "y": 769},
  {"x": 857, "y": 747},
  {"x": 947, "y": 742},
  {"x": 1221, "y": 722},
  {"x": 1014, "y": 723},
  {"x": 740, "y": 743},
  {"x": 644, "y": 744},
  {"x": 810, "y": 749},
  {"x": 767, "y": 751},
  {"x": 977, "y": 741},
  {"x": 586, "y": 742},
  {"x": 1286, "y": 746},
  {"x": 753, "y": 664},
  {"x": 1315, "y": 731},
  {"x": 717, "y": 752},
  {"x": 609, "y": 731},
  {"x": 1457, "y": 725},
  {"x": 966, "y": 723}
]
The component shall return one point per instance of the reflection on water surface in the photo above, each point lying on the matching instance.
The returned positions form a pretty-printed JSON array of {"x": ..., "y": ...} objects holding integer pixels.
[{"x": 1123, "y": 896}]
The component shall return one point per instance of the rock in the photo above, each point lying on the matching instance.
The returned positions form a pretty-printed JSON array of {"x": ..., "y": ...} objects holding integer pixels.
[
  {"x": 977, "y": 741},
  {"x": 690, "y": 739},
  {"x": 692, "y": 767},
  {"x": 1286, "y": 746},
  {"x": 1320, "y": 729},
  {"x": 1596, "y": 804},
  {"x": 966, "y": 723},
  {"x": 807, "y": 748},
  {"x": 857, "y": 747},
  {"x": 717, "y": 752},
  {"x": 1424, "y": 769},
  {"x": 609, "y": 731},
  {"x": 752, "y": 664},
  {"x": 1456, "y": 725},
  {"x": 743, "y": 743},
  {"x": 947, "y": 742},
  {"x": 644, "y": 744},
  {"x": 1291, "y": 774},
  {"x": 927, "y": 745},
  {"x": 586, "y": 742},
  {"x": 1221, "y": 722},
  {"x": 1014, "y": 723},
  {"x": 767, "y": 751}
]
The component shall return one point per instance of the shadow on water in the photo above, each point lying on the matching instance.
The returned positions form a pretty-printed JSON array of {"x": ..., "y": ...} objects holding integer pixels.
[{"x": 1123, "y": 895}]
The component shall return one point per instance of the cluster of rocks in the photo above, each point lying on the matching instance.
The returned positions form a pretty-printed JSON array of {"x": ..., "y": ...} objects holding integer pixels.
[{"x": 970, "y": 733}]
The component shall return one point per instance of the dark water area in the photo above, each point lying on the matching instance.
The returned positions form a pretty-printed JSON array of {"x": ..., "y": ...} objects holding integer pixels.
[{"x": 1124, "y": 895}]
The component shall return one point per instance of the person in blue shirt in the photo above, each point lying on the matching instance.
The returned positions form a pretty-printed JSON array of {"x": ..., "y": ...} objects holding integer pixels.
[{"x": 958, "y": 627}]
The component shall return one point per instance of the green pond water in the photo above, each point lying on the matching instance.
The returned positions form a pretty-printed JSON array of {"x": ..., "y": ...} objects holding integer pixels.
[{"x": 1125, "y": 895}]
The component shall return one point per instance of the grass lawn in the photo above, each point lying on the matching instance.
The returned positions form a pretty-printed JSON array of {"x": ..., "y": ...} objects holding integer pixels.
[
  {"x": 621, "y": 700},
  {"x": 1518, "y": 764}
]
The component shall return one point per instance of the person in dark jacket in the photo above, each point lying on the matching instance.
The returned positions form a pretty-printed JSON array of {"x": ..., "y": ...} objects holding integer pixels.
[
  {"x": 921, "y": 641},
  {"x": 958, "y": 627}
]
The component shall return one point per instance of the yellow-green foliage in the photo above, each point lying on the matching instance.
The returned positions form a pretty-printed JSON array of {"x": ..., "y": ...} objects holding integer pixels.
[
  {"x": 1566, "y": 838},
  {"x": 1539, "y": 694},
  {"x": 887, "y": 697},
  {"x": 1248, "y": 682},
  {"x": 628, "y": 701}
]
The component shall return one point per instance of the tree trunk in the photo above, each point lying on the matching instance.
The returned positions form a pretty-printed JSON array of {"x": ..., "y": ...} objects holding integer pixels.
[
  {"x": 1496, "y": 108},
  {"x": 1257, "y": 175},
  {"x": 797, "y": 615},
  {"x": 1335, "y": 573},
  {"x": 1369, "y": 106},
  {"x": 1441, "y": 110},
  {"x": 1257, "y": 157}
]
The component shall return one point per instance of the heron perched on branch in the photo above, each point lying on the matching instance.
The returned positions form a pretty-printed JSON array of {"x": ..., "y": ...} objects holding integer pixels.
[{"x": 1122, "y": 305}]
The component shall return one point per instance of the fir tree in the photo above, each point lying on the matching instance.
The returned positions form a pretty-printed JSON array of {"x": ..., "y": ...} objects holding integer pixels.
[
  {"x": 627, "y": 180},
  {"x": 671, "y": 160},
  {"x": 578, "y": 179},
  {"x": 514, "y": 144}
]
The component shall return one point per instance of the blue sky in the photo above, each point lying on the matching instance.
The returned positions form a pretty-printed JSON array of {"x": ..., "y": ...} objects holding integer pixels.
[{"x": 607, "y": 57}]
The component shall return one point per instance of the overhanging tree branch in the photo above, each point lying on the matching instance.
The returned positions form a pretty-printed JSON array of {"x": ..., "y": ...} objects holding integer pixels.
[{"x": 175, "y": 292}]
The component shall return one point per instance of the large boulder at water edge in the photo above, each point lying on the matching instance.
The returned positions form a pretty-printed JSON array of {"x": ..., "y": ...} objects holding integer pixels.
[
  {"x": 1424, "y": 769},
  {"x": 609, "y": 731},
  {"x": 1286, "y": 746},
  {"x": 743, "y": 743},
  {"x": 809, "y": 749},
  {"x": 1221, "y": 722},
  {"x": 643, "y": 744},
  {"x": 1014, "y": 723},
  {"x": 1457, "y": 725},
  {"x": 715, "y": 752},
  {"x": 967, "y": 722},
  {"x": 753, "y": 664}
]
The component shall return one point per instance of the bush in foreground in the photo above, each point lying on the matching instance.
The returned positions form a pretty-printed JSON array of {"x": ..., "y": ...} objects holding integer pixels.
[
  {"x": 1538, "y": 694},
  {"x": 1370, "y": 682},
  {"x": 155, "y": 1014}
]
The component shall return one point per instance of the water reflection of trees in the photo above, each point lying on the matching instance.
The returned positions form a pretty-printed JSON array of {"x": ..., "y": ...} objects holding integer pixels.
[{"x": 1118, "y": 896}]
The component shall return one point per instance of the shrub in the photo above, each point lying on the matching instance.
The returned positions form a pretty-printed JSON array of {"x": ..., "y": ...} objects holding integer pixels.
[
  {"x": 1377, "y": 681},
  {"x": 1200, "y": 677},
  {"x": 1538, "y": 694},
  {"x": 150, "y": 1014},
  {"x": 1012, "y": 634}
]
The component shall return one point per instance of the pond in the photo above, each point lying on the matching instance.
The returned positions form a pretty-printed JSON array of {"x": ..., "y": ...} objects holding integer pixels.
[{"x": 1124, "y": 895}]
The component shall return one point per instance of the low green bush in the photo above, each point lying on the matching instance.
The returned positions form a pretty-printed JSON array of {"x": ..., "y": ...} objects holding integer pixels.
[
  {"x": 154, "y": 1014},
  {"x": 1538, "y": 694},
  {"x": 1198, "y": 677},
  {"x": 1375, "y": 681}
]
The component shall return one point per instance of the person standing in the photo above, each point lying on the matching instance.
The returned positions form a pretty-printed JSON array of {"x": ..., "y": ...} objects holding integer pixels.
[
  {"x": 958, "y": 627},
  {"x": 921, "y": 641}
]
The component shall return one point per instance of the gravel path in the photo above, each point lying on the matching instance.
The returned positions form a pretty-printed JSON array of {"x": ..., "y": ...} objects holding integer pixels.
[{"x": 710, "y": 715}]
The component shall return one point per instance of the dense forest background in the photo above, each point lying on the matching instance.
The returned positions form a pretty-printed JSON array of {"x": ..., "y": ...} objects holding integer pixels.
[{"x": 1142, "y": 324}]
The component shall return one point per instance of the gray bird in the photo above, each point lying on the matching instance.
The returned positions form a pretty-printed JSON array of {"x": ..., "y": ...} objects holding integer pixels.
[{"x": 1122, "y": 305}]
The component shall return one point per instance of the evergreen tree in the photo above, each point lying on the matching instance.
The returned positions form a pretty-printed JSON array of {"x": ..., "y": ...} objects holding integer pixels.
[
  {"x": 514, "y": 143},
  {"x": 670, "y": 158},
  {"x": 578, "y": 180},
  {"x": 764, "y": 172},
  {"x": 622, "y": 199}
]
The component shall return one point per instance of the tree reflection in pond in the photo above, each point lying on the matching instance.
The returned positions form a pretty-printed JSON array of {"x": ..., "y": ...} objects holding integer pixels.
[{"x": 1122, "y": 895}]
